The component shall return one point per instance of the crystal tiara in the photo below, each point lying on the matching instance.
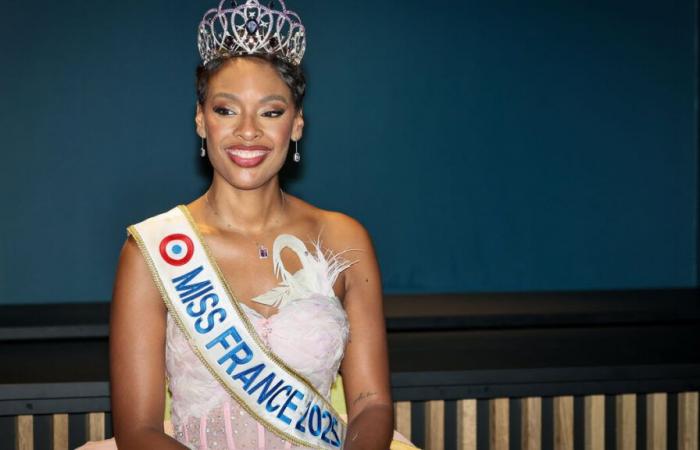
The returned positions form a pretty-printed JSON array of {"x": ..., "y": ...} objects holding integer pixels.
[{"x": 251, "y": 28}]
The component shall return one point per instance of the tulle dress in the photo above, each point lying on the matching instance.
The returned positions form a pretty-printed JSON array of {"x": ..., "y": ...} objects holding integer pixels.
[{"x": 309, "y": 332}]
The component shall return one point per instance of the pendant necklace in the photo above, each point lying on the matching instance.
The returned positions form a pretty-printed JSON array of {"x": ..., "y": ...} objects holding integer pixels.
[{"x": 263, "y": 252}]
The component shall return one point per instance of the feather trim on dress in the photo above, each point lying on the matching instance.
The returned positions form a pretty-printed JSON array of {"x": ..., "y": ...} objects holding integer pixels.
[{"x": 317, "y": 276}]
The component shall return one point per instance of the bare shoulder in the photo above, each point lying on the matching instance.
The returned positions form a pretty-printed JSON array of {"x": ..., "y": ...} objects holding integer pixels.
[
  {"x": 130, "y": 252},
  {"x": 134, "y": 284},
  {"x": 338, "y": 231},
  {"x": 345, "y": 235},
  {"x": 345, "y": 232},
  {"x": 130, "y": 258}
]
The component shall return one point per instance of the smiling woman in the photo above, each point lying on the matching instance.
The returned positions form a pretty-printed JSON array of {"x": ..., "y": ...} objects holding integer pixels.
[
  {"x": 247, "y": 116},
  {"x": 243, "y": 299}
]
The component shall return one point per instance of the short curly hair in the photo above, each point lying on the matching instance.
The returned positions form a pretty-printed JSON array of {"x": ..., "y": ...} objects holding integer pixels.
[{"x": 293, "y": 76}]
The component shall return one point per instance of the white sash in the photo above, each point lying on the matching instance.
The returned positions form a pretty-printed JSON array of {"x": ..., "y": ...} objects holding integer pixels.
[{"x": 220, "y": 334}]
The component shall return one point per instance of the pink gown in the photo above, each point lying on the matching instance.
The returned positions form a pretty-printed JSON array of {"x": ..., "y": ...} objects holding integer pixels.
[{"x": 309, "y": 333}]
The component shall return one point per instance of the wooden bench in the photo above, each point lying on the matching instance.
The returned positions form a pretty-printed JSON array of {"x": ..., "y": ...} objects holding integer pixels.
[{"x": 499, "y": 418}]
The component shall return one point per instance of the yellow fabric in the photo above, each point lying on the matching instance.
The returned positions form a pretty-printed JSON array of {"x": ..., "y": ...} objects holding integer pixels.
[
  {"x": 397, "y": 445},
  {"x": 168, "y": 402},
  {"x": 338, "y": 396}
]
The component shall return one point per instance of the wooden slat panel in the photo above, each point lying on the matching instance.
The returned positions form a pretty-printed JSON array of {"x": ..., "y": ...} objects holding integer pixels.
[
  {"x": 466, "y": 425},
  {"x": 95, "y": 426},
  {"x": 498, "y": 424},
  {"x": 59, "y": 432},
  {"x": 24, "y": 433},
  {"x": 563, "y": 422},
  {"x": 402, "y": 418},
  {"x": 594, "y": 422},
  {"x": 531, "y": 420},
  {"x": 626, "y": 421},
  {"x": 656, "y": 421},
  {"x": 435, "y": 425},
  {"x": 688, "y": 421}
]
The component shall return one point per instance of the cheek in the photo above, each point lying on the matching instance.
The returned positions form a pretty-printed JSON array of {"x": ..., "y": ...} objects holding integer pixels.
[
  {"x": 279, "y": 131},
  {"x": 216, "y": 127}
]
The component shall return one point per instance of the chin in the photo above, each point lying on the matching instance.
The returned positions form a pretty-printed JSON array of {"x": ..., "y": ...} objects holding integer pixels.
[
  {"x": 248, "y": 181},
  {"x": 245, "y": 178}
]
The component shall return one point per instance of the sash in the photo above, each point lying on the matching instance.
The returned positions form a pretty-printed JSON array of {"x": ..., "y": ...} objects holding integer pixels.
[{"x": 197, "y": 295}]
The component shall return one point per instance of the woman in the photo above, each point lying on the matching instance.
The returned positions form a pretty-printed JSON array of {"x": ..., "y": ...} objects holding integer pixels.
[{"x": 250, "y": 90}]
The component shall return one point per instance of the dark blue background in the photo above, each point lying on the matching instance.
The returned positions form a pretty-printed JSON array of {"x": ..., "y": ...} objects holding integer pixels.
[{"x": 487, "y": 146}]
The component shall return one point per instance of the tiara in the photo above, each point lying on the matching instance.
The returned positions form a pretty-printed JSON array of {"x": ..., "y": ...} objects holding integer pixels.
[{"x": 251, "y": 28}]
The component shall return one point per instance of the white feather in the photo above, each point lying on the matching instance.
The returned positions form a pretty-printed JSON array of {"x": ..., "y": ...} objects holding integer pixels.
[{"x": 318, "y": 274}]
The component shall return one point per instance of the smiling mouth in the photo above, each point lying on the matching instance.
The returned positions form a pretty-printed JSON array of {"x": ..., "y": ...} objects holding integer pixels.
[
  {"x": 247, "y": 157},
  {"x": 247, "y": 154}
]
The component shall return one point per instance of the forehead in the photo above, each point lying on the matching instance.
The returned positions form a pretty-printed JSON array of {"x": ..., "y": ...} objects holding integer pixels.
[{"x": 248, "y": 77}]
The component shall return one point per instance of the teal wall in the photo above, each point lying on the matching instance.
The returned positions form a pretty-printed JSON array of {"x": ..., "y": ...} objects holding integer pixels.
[{"x": 487, "y": 146}]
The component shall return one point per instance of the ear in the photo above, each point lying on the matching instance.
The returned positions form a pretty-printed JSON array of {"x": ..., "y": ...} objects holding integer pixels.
[
  {"x": 298, "y": 126},
  {"x": 199, "y": 122}
]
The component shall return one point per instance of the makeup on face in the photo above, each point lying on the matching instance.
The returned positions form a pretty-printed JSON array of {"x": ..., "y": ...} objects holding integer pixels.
[
  {"x": 248, "y": 156},
  {"x": 248, "y": 119}
]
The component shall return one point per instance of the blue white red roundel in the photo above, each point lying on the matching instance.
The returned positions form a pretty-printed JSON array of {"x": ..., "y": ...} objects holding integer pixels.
[{"x": 176, "y": 249}]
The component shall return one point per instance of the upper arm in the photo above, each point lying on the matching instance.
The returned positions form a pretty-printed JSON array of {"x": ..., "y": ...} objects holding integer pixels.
[
  {"x": 365, "y": 366},
  {"x": 137, "y": 346}
]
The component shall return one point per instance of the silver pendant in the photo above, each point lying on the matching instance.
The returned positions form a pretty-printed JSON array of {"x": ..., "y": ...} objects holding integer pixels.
[{"x": 262, "y": 251}]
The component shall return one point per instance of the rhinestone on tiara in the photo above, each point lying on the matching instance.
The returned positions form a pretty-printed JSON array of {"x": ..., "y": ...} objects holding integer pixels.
[{"x": 251, "y": 28}]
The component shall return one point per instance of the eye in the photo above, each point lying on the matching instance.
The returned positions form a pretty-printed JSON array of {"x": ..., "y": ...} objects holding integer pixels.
[
  {"x": 223, "y": 111},
  {"x": 273, "y": 113}
]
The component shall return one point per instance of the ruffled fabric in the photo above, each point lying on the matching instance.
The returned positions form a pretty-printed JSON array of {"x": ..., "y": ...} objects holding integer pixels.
[
  {"x": 309, "y": 332},
  {"x": 316, "y": 277},
  {"x": 309, "y": 335}
]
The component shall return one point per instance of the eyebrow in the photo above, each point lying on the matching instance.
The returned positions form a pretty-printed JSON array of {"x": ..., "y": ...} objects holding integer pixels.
[
  {"x": 272, "y": 98},
  {"x": 266, "y": 99}
]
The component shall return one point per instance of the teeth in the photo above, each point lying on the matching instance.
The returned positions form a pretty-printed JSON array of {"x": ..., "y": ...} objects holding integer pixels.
[{"x": 248, "y": 154}]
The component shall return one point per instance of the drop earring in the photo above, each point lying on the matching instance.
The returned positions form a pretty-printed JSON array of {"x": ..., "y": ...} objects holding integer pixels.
[
  {"x": 202, "y": 150},
  {"x": 297, "y": 156}
]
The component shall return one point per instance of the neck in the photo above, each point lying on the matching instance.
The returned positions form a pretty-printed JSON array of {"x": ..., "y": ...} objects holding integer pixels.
[{"x": 247, "y": 211}]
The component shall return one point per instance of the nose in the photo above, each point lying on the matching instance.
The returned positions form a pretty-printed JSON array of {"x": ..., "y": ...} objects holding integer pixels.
[{"x": 248, "y": 128}]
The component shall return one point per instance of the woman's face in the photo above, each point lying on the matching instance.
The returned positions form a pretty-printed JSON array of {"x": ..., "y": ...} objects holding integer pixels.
[{"x": 248, "y": 119}]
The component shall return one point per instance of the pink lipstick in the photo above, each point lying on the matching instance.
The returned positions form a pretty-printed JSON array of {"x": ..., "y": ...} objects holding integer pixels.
[{"x": 248, "y": 156}]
